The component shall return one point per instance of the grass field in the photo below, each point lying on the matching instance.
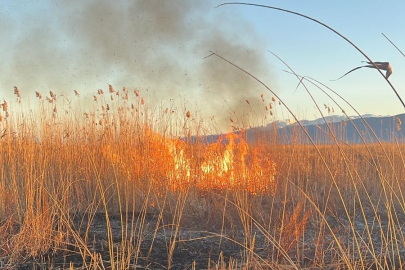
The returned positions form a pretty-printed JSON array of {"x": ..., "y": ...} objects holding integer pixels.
[{"x": 122, "y": 184}]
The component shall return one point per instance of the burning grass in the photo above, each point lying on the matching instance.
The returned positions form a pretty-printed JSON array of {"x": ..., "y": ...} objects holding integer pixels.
[
  {"x": 116, "y": 189},
  {"x": 124, "y": 185},
  {"x": 179, "y": 165}
]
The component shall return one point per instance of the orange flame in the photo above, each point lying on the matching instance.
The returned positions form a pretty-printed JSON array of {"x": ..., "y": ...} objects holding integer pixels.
[{"x": 230, "y": 163}]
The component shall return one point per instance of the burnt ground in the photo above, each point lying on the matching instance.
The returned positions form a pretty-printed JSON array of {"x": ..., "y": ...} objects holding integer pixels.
[{"x": 203, "y": 249}]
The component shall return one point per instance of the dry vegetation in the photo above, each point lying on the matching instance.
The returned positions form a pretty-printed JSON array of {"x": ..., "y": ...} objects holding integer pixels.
[{"x": 123, "y": 185}]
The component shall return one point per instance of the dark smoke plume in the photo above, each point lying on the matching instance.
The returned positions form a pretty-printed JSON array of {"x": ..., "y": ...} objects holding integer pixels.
[{"x": 154, "y": 44}]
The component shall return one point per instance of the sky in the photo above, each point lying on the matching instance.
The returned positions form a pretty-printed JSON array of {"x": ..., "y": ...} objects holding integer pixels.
[{"x": 159, "y": 47}]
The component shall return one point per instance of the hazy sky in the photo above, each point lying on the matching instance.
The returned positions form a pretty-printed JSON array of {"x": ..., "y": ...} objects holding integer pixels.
[{"x": 160, "y": 45}]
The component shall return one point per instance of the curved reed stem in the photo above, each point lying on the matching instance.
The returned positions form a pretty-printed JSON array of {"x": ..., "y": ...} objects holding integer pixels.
[
  {"x": 328, "y": 27},
  {"x": 393, "y": 44}
]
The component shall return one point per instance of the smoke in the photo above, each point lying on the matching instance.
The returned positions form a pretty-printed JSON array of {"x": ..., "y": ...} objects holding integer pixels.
[{"x": 154, "y": 44}]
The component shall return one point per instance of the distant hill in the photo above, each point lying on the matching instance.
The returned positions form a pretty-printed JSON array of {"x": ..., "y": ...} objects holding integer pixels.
[
  {"x": 385, "y": 128},
  {"x": 319, "y": 121},
  {"x": 370, "y": 129}
]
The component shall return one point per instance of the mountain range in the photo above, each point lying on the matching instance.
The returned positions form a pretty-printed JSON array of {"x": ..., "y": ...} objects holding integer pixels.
[{"x": 367, "y": 128}]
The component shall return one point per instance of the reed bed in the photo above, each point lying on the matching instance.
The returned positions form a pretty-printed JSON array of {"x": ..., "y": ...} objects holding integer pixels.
[
  {"x": 116, "y": 183},
  {"x": 125, "y": 185}
]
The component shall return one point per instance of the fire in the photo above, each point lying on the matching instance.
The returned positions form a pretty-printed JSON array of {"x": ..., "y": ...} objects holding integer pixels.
[
  {"x": 219, "y": 166},
  {"x": 236, "y": 166},
  {"x": 230, "y": 163}
]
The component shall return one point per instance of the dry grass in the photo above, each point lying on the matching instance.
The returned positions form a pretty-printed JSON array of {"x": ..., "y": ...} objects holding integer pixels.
[
  {"x": 280, "y": 204},
  {"x": 124, "y": 185}
]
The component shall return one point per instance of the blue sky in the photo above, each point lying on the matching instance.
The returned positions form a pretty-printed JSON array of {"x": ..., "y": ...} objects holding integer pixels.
[
  {"x": 317, "y": 52},
  {"x": 160, "y": 45}
]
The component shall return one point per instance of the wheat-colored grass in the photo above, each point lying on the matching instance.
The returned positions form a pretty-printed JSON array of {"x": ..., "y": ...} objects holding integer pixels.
[{"x": 342, "y": 206}]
